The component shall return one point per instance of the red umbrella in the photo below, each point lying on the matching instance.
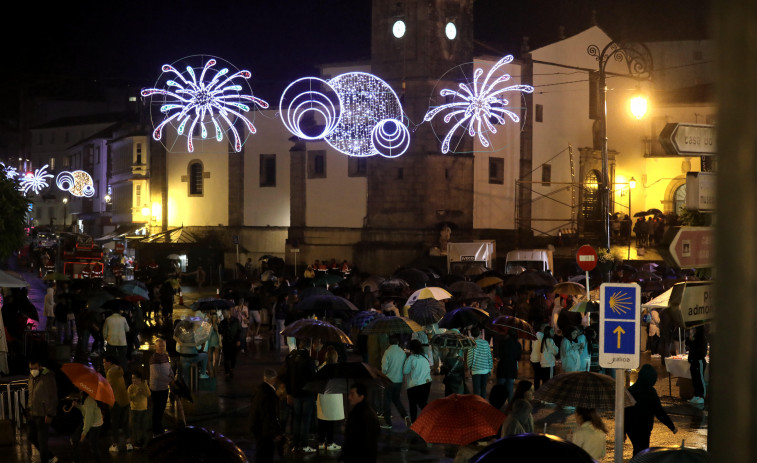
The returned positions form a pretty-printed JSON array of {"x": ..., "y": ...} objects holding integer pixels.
[
  {"x": 521, "y": 328},
  {"x": 87, "y": 379},
  {"x": 458, "y": 419}
]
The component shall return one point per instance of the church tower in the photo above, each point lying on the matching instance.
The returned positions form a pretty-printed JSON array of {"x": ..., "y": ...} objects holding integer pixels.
[{"x": 414, "y": 46}]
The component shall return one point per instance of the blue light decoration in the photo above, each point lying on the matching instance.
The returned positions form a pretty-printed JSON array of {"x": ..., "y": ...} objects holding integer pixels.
[
  {"x": 34, "y": 181},
  {"x": 10, "y": 172},
  {"x": 77, "y": 182},
  {"x": 191, "y": 103},
  {"x": 356, "y": 113},
  {"x": 473, "y": 108}
]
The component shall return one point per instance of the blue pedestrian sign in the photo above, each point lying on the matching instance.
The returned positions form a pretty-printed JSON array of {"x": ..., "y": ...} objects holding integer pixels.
[{"x": 619, "y": 325}]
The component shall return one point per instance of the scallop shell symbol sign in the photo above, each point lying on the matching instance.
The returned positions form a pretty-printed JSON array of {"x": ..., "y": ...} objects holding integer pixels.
[{"x": 620, "y": 323}]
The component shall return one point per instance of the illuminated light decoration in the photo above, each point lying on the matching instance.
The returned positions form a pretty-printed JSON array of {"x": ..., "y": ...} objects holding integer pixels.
[
  {"x": 34, "y": 181},
  {"x": 477, "y": 105},
  {"x": 78, "y": 183},
  {"x": 366, "y": 101},
  {"x": 10, "y": 172},
  {"x": 399, "y": 28},
  {"x": 307, "y": 98},
  {"x": 193, "y": 103},
  {"x": 450, "y": 30},
  {"x": 390, "y": 138},
  {"x": 355, "y": 110}
]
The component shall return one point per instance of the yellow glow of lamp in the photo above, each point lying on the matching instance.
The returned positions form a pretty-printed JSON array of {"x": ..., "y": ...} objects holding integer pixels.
[
  {"x": 145, "y": 211},
  {"x": 632, "y": 183},
  {"x": 638, "y": 106}
]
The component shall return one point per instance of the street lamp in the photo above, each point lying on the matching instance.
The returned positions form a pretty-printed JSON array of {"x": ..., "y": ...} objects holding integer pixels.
[
  {"x": 65, "y": 212},
  {"x": 631, "y": 186},
  {"x": 638, "y": 60}
]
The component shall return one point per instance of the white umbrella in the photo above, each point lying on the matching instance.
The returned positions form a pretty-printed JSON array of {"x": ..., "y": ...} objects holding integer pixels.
[
  {"x": 660, "y": 302},
  {"x": 431, "y": 292}
]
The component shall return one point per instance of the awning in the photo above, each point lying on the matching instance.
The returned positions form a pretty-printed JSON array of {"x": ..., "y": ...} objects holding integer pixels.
[
  {"x": 9, "y": 281},
  {"x": 174, "y": 236},
  {"x": 122, "y": 231}
]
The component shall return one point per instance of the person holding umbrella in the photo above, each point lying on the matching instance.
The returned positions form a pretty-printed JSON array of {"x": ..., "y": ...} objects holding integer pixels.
[
  {"x": 89, "y": 429},
  {"x": 547, "y": 352},
  {"x": 508, "y": 350},
  {"x": 119, "y": 411},
  {"x": 480, "y": 362},
  {"x": 391, "y": 365}
]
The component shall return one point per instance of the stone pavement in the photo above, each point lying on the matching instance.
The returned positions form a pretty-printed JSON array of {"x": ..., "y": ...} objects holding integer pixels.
[{"x": 399, "y": 444}]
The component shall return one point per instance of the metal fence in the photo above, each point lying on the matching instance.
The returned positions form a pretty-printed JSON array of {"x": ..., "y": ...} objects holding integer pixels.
[{"x": 13, "y": 400}]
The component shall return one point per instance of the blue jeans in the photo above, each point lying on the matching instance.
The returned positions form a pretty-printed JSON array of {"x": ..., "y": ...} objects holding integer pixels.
[
  {"x": 392, "y": 396},
  {"x": 302, "y": 416},
  {"x": 479, "y": 384},
  {"x": 508, "y": 383}
]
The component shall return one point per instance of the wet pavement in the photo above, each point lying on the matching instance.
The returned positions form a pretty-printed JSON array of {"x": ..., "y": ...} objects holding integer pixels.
[{"x": 399, "y": 444}]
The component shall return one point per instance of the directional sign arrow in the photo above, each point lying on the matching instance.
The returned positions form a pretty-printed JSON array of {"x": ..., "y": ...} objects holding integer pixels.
[
  {"x": 688, "y": 139},
  {"x": 619, "y": 330}
]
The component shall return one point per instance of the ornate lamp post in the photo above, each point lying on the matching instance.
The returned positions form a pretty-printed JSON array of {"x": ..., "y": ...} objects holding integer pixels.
[
  {"x": 638, "y": 59},
  {"x": 631, "y": 186}
]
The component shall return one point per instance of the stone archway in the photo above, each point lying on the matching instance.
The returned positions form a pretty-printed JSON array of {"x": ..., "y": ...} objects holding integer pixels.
[{"x": 668, "y": 201}]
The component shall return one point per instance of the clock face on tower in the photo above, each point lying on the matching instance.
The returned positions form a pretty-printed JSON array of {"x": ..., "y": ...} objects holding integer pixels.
[
  {"x": 398, "y": 29},
  {"x": 450, "y": 30}
]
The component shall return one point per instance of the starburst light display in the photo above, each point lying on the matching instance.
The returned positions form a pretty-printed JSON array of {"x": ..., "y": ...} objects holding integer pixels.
[
  {"x": 34, "y": 181},
  {"x": 474, "y": 106},
  {"x": 356, "y": 113},
  {"x": 215, "y": 100},
  {"x": 10, "y": 172},
  {"x": 77, "y": 182}
]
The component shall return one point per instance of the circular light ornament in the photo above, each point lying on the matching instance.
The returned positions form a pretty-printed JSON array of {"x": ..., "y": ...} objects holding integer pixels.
[
  {"x": 307, "y": 104},
  {"x": 390, "y": 138},
  {"x": 366, "y": 102},
  {"x": 450, "y": 30},
  {"x": 78, "y": 183},
  {"x": 399, "y": 29}
]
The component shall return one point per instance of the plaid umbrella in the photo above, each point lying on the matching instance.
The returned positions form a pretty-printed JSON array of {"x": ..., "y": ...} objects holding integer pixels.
[
  {"x": 569, "y": 288},
  {"x": 392, "y": 325},
  {"x": 337, "y": 378},
  {"x": 453, "y": 340},
  {"x": 362, "y": 319},
  {"x": 458, "y": 419},
  {"x": 532, "y": 447},
  {"x": 311, "y": 328},
  {"x": 672, "y": 455},
  {"x": 581, "y": 389},
  {"x": 426, "y": 311},
  {"x": 506, "y": 323},
  {"x": 464, "y": 316}
]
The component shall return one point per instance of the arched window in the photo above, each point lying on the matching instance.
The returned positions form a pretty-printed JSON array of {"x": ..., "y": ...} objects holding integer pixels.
[
  {"x": 195, "y": 178},
  {"x": 679, "y": 199}
]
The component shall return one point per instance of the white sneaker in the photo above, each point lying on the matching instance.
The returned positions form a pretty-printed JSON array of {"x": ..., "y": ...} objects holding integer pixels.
[
  {"x": 334, "y": 446},
  {"x": 308, "y": 449},
  {"x": 129, "y": 447},
  {"x": 113, "y": 448}
]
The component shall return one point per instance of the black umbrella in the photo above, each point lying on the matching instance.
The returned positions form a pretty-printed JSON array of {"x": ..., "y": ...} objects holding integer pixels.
[
  {"x": 211, "y": 304},
  {"x": 117, "y": 305},
  {"x": 414, "y": 277},
  {"x": 467, "y": 291},
  {"x": 394, "y": 288},
  {"x": 671, "y": 455},
  {"x": 426, "y": 311},
  {"x": 532, "y": 447},
  {"x": 314, "y": 291},
  {"x": 655, "y": 212},
  {"x": 530, "y": 279},
  {"x": 328, "y": 306},
  {"x": 337, "y": 378},
  {"x": 464, "y": 316}
]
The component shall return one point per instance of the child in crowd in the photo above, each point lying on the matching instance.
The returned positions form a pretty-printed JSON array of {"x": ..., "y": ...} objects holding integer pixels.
[{"x": 139, "y": 392}]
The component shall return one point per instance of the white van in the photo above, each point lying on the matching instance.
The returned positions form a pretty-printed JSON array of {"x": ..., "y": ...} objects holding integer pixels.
[{"x": 525, "y": 259}]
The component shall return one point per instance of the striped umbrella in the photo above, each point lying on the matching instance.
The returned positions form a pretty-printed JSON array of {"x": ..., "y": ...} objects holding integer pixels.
[
  {"x": 362, "y": 319},
  {"x": 392, "y": 325}
]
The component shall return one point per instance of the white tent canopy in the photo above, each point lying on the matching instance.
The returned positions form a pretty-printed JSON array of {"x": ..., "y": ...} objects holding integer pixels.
[
  {"x": 660, "y": 302},
  {"x": 9, "y": 281}
]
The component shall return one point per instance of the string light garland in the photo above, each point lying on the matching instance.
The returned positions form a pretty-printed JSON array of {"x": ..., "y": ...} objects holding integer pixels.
[
  {"x": 356, "y": 113},
  {"x": 77, "y": 182},
  {"x": 474, "y": 106},
  {"x": 194, "y": 104},
  {"x": 10, "y": 172},
  {"x": 34, "y": 181}
]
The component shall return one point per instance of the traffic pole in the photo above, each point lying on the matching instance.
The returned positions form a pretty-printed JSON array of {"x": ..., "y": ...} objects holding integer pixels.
[{"x": 620, "y": 389}]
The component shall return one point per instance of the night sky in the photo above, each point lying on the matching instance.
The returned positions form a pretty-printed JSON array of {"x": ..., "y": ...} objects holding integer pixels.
[{"x": 64, "y": 46}]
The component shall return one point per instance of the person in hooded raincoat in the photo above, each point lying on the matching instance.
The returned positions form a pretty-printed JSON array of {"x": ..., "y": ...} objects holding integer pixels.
[{"x": 639, "y": 419}]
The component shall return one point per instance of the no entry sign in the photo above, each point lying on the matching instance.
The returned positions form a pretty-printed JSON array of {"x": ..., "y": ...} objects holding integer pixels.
[{"x": 586, "y": 258}]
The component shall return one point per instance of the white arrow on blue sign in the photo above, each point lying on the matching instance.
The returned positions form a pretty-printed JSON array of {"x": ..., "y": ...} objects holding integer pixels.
[{"x": 620, "y": 325}]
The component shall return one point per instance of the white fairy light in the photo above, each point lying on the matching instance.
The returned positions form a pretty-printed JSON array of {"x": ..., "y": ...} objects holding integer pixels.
[
  {"x": 306, "y": 97},
  {"x": 193, "y": 102},
  {"x": 10, "y": 172},
  {"x": 476, "y": 105},
  {"x": 34, "y": 181},
  {"x": 390, "y": 138},
  {"x": 78, "y": 183}
]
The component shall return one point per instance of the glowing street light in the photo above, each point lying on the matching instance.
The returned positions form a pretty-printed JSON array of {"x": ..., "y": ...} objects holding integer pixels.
[{"x": 638, "y": 106}]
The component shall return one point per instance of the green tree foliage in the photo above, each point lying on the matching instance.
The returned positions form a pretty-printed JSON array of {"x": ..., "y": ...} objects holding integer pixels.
[
  {"x": 13, "y": 208},
  {"x": 694, "y": 218}
]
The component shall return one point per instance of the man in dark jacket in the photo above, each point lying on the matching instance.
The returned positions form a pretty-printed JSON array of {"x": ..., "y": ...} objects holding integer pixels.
[
  {"x": 508, "y": 350},
  {"x": 264, "y": 416},
  {"x": 299, "y": 368},
  {"x": 42, "y": 406},
  {"x": 231, "y": 334},
  {"x": 697, "y": 344},
  {"x": 361, "y": 430},
  {"x": 639, "y": 419}
]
